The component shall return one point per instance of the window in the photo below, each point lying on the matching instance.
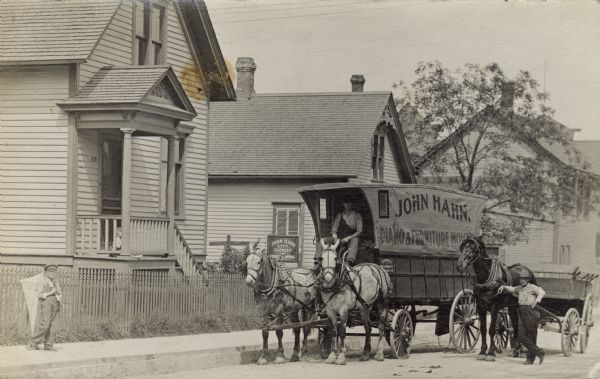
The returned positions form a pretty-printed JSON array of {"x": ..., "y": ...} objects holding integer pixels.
[
  {"x": 384, "y": 204},
  {"x": 149, "y": 32},
  {"x": 179, "y": 203},
  {"x": 286, "y": 219},
  {"x": 377, "y": 151},
  {"x": 565, "y": 255},
  {"x": 180, "y": 178},
  {"x": 164, "y": 161},
  {"x": 323, "y": 209},
  {"x": 598, "y": 248}
]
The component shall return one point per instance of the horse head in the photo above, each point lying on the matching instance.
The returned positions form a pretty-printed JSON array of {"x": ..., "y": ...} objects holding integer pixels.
[
  {"x": 471, "y": 249},
  {"x": 254, "y": 262},
  {"x": 329, "y": 262}
]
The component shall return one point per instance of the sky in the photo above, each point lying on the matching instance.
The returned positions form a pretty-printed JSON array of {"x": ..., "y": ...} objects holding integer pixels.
[{"x": 316, "y": 45}]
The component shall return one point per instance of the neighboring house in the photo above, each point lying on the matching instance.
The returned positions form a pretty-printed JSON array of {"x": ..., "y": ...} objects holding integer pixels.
[
  {"x": 264, "y": 147},
  {"x": 103, "y": 131},
  {"x": 554, "y": 242},
  {"x": 583, "y": 236}
]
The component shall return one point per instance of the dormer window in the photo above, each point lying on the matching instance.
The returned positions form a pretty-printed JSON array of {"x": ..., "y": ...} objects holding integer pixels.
[
  {"x": 150, "y": 32},
  {"x": 377, "y": 155}
]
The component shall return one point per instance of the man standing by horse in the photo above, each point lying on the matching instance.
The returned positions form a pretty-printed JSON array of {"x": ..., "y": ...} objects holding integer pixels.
[{"x": 529, "y": 296}]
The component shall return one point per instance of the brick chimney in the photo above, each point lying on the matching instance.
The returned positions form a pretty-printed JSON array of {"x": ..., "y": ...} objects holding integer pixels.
[
  {"x": 358, "y": 83},
  {"x": 245, "y": 68},
  {"x": 508, "y": 97}
]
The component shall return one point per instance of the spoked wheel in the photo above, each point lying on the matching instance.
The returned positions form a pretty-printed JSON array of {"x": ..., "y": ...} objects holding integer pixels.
[
  {"x": 587, "y": 321},
  {"x": 401, "y": 334},
  {"x": 464, "y": 322},
  {"x": 503, "y": 332},
  {"x": 569, "y": 331},
  {"x": 324, "y": 342}
]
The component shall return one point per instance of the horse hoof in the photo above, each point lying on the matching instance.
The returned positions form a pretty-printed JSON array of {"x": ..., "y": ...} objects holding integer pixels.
[
  {"x": 490, "y": 358},
  {"x": 481, "y": 357},
  {"x": 331, "y": 358},
  {"x": 379, "y": 356},
  {"x": 341, "y": 360},
  {"x": 279, "y": 359},
  {"x": 262, "y": 361},
  {"x": 294, "y": 358},
  {"x": 364, "y": 357}
]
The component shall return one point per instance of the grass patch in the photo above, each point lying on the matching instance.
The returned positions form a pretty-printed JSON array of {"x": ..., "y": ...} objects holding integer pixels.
[{"x": 158, "y": 325}]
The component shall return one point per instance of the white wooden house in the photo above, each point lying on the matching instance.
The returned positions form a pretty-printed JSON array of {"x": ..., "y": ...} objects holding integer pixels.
[
  {"x": 103, "y": 131},
  {"x": 554, "y": 242},
  {"x": 264, "y": 147}
]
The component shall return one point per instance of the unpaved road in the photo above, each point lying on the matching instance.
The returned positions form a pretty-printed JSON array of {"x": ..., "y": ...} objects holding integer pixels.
[{"x": 428, "y": 360}]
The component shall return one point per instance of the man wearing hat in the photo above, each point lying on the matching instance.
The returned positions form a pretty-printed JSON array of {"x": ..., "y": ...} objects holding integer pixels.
[
  {"x": 49, "y": 296},
  {"x": 529, "y": 296}
]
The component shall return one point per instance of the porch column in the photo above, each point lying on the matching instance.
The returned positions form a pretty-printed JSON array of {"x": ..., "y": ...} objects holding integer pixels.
[
  {"x": 126, "y": 192},
  {"x": 171, "y": 158}
]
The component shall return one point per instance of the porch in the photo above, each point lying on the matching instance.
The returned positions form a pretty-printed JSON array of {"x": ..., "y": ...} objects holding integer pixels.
[{"x": 129, "y": 165}]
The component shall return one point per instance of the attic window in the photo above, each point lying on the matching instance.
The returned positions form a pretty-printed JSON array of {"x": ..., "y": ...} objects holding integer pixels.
[
  {"x": 377, "y": 155},
  {"x": 150, "y": 32}
]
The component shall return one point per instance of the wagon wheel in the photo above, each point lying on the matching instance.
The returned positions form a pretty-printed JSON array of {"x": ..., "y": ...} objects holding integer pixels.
[
  {"x": 569, "y": 331},
  {"x": 401, "y": 334},
  {"x": 587, "y": 321},
  {"x": 464, "y": 322},
  {"x": 324, "y": 342},
  {"x": 503, "y": 332}
]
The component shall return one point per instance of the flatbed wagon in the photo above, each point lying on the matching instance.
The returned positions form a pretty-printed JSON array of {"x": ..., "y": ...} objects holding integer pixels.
[
  {"x": 567, "y": 307},
  {"x": 414, "y": 232}
]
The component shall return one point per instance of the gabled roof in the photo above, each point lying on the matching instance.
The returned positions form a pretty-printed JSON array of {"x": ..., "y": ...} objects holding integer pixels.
[
  {"x": 591, "y": 152},
  {"x": 52, "y": 31},
  {"x": 129, "y": 85},
  {"x": 513, "y": 122},
  {"x": 298, "y": 135},
  {"x": 195, "y": 17},
  {"x": 67, "y": 31}
]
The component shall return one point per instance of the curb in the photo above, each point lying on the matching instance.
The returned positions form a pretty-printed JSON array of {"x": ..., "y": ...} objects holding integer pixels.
[{"x": 161, "y": 363}]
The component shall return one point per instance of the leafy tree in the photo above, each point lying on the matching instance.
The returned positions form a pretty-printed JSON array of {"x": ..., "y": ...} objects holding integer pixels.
[{"x": 459, "y": 123}]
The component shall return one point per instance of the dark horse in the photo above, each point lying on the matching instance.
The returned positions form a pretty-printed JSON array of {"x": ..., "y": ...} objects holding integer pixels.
[{"x": 490, "y": 274}]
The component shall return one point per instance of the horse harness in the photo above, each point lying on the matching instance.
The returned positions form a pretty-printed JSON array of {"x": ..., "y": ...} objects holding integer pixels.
[
  {"x": 342, "y": 279},
  {"x": 274, "y": 286}
]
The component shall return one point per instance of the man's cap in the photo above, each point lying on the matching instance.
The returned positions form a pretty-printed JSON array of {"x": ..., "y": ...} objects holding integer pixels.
[
  {"x": 524, "y": 274},
  {"x": 50, "y": 266}
]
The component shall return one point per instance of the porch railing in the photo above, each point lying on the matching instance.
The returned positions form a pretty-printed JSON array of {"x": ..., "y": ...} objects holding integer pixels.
[
  {"x": 184, "y": 256},
  {"x": 102, "y": 234}
]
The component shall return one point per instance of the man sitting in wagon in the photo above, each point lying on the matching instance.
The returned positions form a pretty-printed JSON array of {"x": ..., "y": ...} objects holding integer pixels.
[
  {"x": 348, "y": 226},
  {"x": 529, "y": 296}
]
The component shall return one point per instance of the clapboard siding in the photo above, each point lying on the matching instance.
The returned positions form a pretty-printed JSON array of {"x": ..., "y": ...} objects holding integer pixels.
[
  {"x": 390, "y": 171},
  {"x": 33, "y": 160},
  {"x": 145, "y": 171},
  {"x": 115, "y": 47},
  {"x": 88, "y": 172},
  {"x": 580, "y": 235},
  {"x": 537, "y": 251},
  {"x": 245, "y": 211},
  {"x": 179, "y": 57}
]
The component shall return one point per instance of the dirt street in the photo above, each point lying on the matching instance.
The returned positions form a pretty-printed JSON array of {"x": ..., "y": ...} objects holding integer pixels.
[{"x": 428, "y": 360}]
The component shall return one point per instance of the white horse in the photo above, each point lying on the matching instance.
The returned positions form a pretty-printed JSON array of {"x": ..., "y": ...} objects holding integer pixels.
[
  {"x": 283, "y": 295},
  {"x": 344, "y": 289}
]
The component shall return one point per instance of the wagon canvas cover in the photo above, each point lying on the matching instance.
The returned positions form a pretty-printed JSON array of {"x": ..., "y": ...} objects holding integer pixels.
[{"x": 423, "y": 219}]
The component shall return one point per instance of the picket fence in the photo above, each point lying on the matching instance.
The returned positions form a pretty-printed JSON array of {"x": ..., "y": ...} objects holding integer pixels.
[{"x": 93, "y": 296}]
